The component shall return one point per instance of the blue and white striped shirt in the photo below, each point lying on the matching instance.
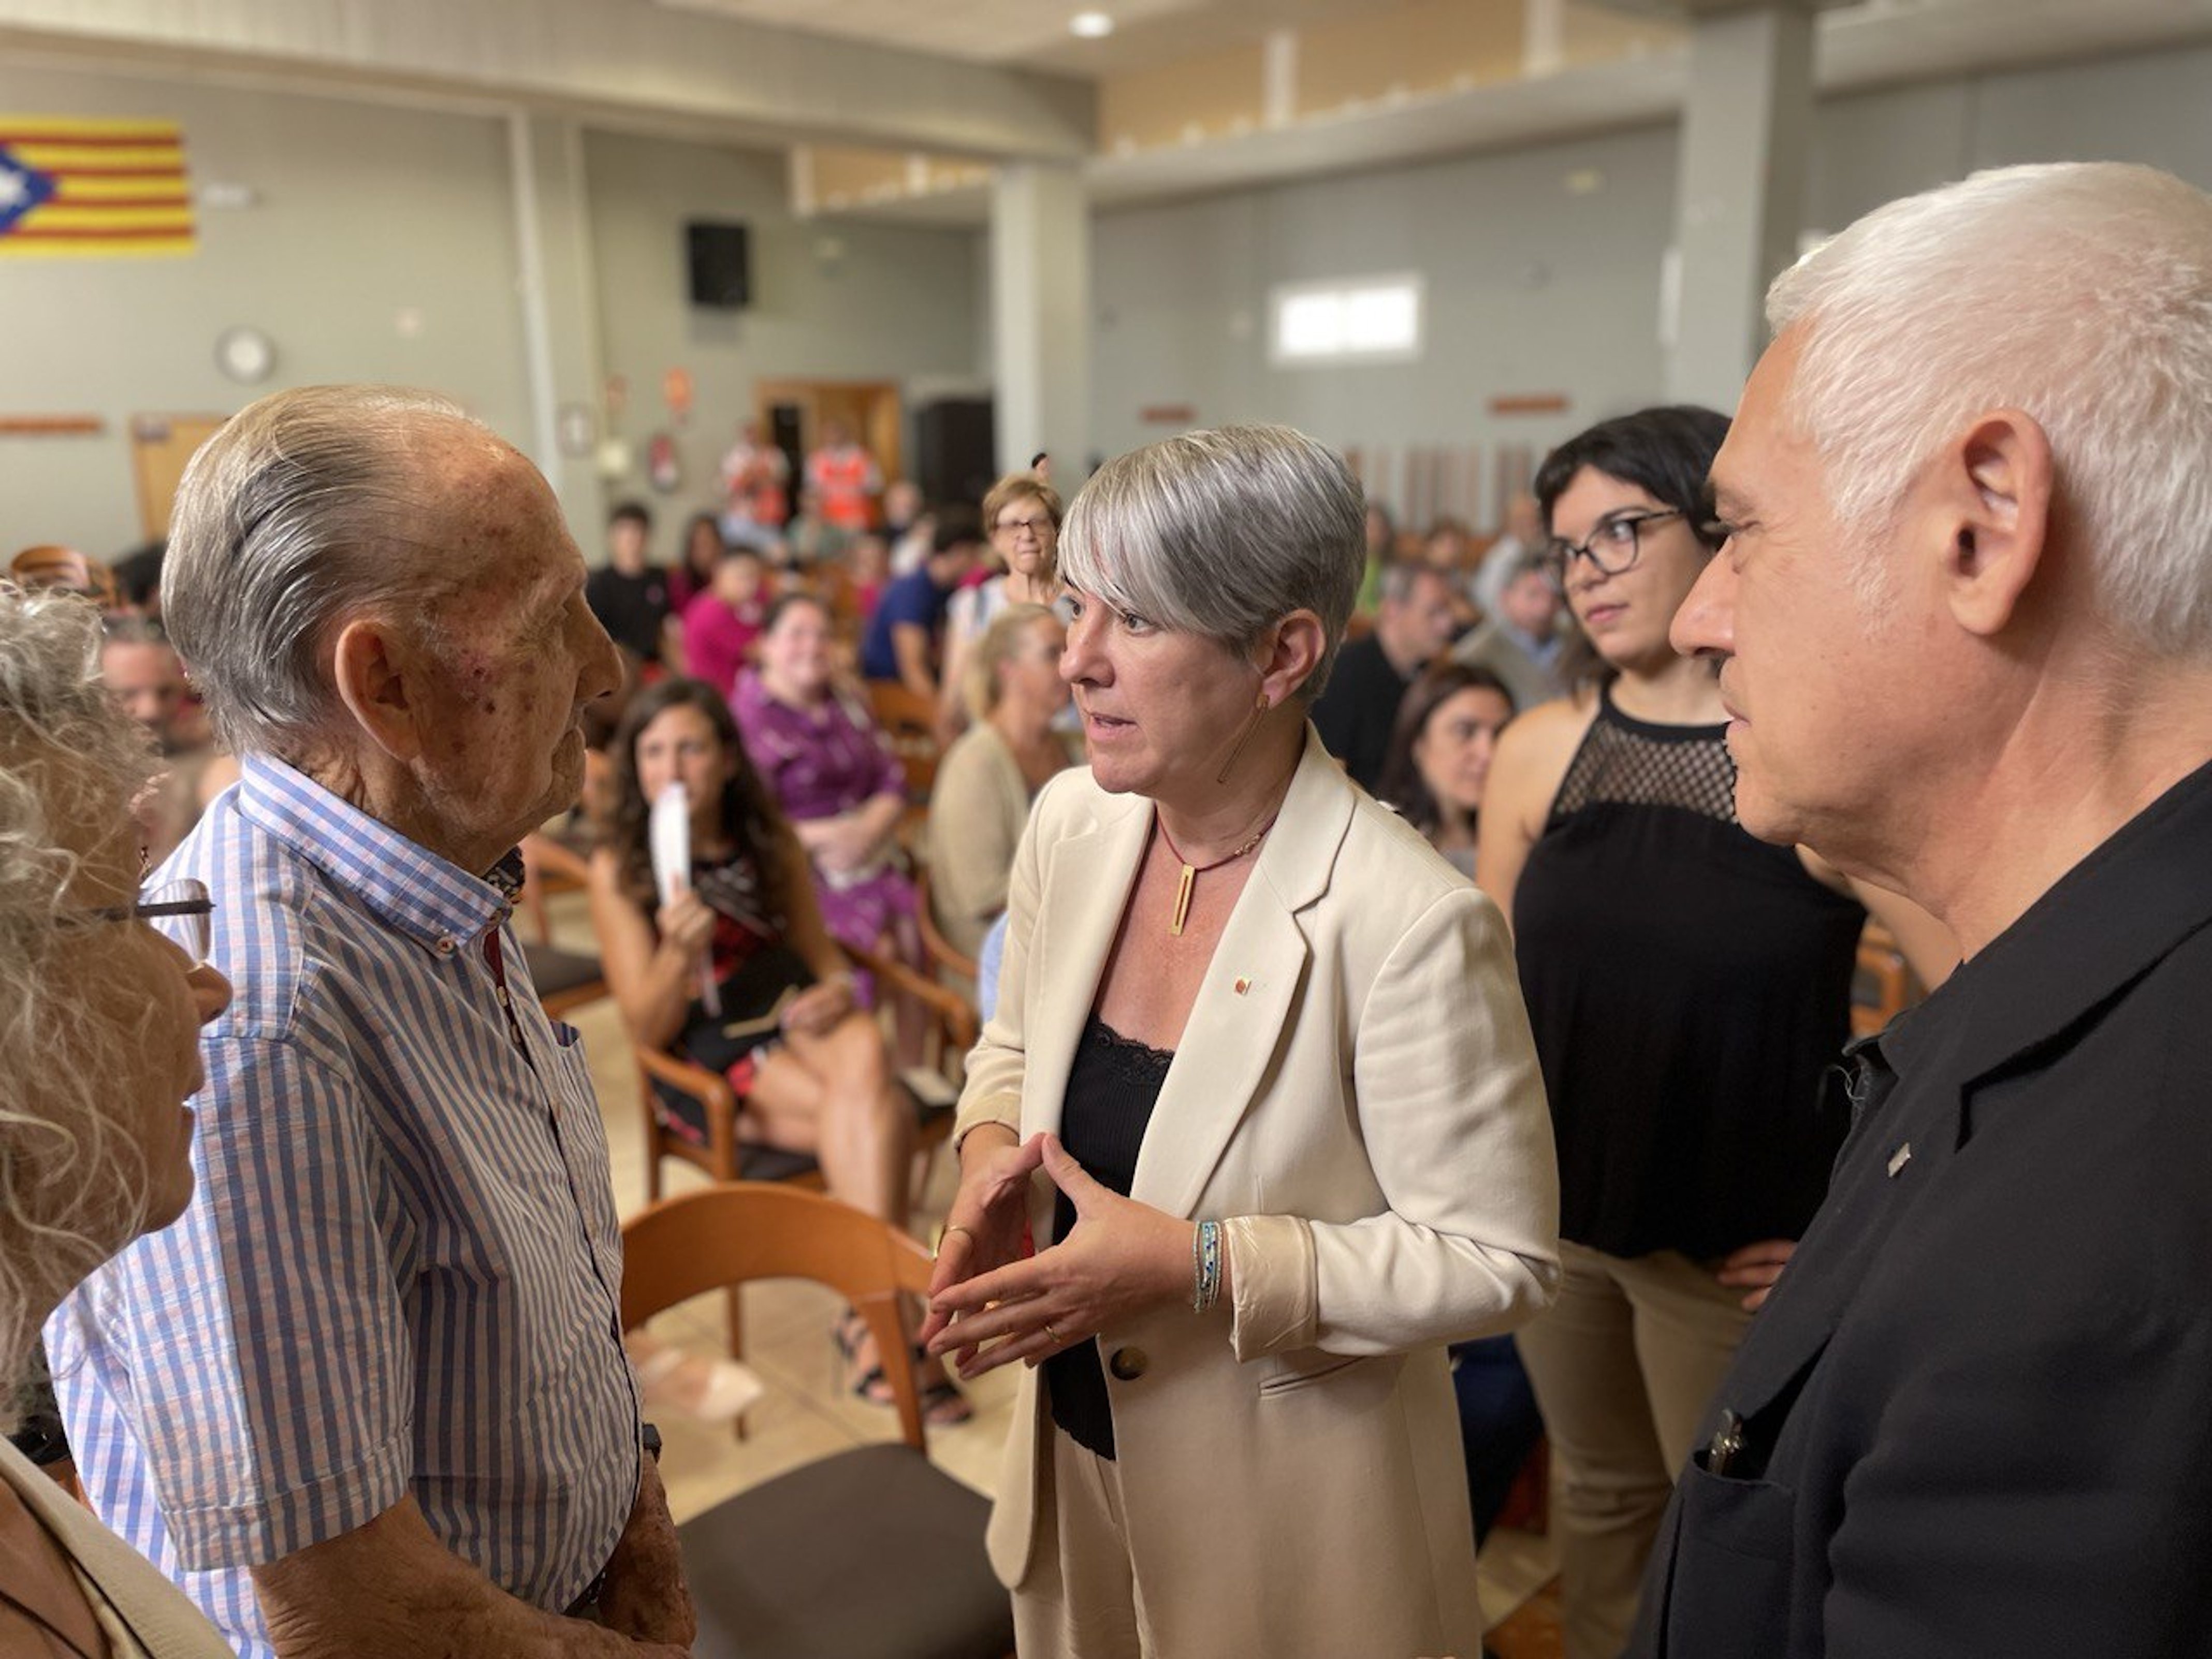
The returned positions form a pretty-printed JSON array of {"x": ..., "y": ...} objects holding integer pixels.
[{"x": 399, "y": 1270}]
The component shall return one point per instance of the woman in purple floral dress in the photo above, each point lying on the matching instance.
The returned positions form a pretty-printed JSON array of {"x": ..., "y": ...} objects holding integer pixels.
[{"x": 835, "y": 777}]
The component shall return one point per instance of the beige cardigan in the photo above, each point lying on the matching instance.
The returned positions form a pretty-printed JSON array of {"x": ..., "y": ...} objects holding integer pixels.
[
  {"x": 977, "y": 807},
  {"x": 1356, "y": 1097}
]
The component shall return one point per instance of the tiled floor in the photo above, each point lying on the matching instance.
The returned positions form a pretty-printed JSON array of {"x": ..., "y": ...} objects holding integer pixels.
[{"x": 805, "y": 1414}]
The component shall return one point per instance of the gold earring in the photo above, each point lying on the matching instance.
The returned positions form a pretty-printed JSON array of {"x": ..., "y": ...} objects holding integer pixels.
[{"x": 1259, "y": 714}]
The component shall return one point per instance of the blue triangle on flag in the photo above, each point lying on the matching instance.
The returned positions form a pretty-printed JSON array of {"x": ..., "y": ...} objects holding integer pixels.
[{"x": 22, "y": 190}]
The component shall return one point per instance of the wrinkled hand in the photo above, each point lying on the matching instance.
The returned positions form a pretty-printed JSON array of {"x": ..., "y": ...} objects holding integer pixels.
[
  {"x": 984, "y": 1228},
  {"x": 685, "y": 922},
  {"x": 1758, "y": 1266},
  {"x": 819, "y": 1007},
  {"x": 646, "y": 1598},
  {"x": 1120, "y": 1258}
]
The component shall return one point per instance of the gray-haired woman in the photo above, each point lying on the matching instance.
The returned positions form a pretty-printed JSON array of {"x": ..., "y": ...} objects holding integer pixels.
[
  {"x": 100, "y": 1019},
  {"x": 1268, "y": 1049}
]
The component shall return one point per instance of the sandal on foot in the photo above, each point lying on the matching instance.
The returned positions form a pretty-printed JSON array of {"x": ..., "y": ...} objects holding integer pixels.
[{"x": 869, "y": 1385}]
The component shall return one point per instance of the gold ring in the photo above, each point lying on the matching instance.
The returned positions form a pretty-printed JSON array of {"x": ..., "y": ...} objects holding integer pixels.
[
  {"x": 1058, "y": 1340},
  {"x": 953, "y": 1227}
]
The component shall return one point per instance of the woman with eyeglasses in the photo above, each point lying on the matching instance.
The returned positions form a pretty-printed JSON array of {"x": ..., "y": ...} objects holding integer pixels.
[
  {"x": 99, "y": 1019},
  {"x": 1021, "y": 516},
  {"x": 1689, "y": 988}
]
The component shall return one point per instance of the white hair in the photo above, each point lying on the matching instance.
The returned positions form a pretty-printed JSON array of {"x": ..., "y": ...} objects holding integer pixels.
[
  {"x": 72, "y": 1174},
  {"x": 1223, "y": 533},
  {"x": 2079, "y": 292},
  {"x": 301, "y": 512}
]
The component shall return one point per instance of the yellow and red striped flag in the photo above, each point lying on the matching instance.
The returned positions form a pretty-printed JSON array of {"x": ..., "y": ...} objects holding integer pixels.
[{"x": 79, "y": 188}]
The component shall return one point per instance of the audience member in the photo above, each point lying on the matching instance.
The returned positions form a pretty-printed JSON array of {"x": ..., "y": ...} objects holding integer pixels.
[
  {"x": 1382, "y": 553},
  {"x": 345, "y": 1399},
  {"x": 756, "y": 487},
  {"x": 1964, "y": 623},
  {"x": 97, "y": 1053},
  {"x": 693, "y": 573},
  {"x": 1523, "y": 538},
  {"x": 834, "y": 776},
  {"x": 807, "y": 1066},
  {"x": 722, "y": 623},
  {"x": 903, "y": 508},
  {"x": 1440, "y": 752},
  {"x": 868, "y": 568},
  {"x": 989, "y": 777},
  {"x": 902, "y": 638},
  {"x": 1227, "y": 962},
  {"x": 810, "y": 540},
  {"x": 1355, "y": 713},
  {"x": 1021, "y": 516},
  {"x": 140, "y": 667},
  {"x": 845, "y": 477},
  {"x": 1690, "y": 989},
  {"x": 139, "y": 578},
  {"x": 628, "y": 595},
  {"x": 1521, "y": 642}
]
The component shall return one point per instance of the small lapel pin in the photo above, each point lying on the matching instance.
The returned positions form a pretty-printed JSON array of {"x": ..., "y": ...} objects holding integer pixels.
[
  {"x": 1899, "y": 1158},
  {"x": 1242, "y": 985}
]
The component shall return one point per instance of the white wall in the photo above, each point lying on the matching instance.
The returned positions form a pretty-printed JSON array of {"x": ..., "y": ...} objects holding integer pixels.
[
  {"x": 363, "y": 213},
  {"x": 830, "y": 299},
  {"x": 1531, "y": 287}
]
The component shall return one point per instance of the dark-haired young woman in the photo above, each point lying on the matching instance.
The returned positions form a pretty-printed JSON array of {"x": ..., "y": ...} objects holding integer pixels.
[
  {"x": 1441, "y": 747},
  {"x": 1689, "y": 986},
  {"x": 807, "y": 1065}
]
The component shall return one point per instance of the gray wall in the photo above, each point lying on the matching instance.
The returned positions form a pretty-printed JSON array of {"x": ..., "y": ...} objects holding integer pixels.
[
  {"x": 830, "y": 299},
  {"x": 363, "y": 213},
  {"x": 1532, "y": 287}
]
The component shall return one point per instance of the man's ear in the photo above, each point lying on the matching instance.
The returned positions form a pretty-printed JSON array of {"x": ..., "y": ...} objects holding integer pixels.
[
  {"x": 1289, "y": 654},
  {"x": 1993, "y": 493},
  {"x": 369, "y": 669}
]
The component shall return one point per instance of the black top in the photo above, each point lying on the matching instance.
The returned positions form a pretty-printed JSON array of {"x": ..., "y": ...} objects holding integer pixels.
[
  {"x": 630, "y": 608},
  {"x": 1356, "y": 710},
  {"x": 1112, "y": 1087},
  {"x": 1690, "y": 991},
  {"x": 1994, "y": 1342}
]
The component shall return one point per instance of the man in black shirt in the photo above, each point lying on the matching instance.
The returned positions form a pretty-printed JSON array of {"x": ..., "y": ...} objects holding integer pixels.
[
  {"x": 627, "y": 595},
  {"x": 1356, "y": 710},
  {"x": 1964, "y": 625}
]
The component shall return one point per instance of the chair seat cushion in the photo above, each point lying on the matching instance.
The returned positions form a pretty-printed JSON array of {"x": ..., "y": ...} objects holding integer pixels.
[
  {"x": 873, "y": 1554},
  {"x": 553, "y": 971}
]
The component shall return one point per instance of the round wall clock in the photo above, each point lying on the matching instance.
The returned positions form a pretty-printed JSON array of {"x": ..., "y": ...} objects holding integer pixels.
[{"x": 246, "y": 354}]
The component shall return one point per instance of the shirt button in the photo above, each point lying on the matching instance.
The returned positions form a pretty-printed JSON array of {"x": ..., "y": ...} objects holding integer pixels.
[
  {"x": 446, "y": 946},
  {"x": 1129, "y": 1364}
]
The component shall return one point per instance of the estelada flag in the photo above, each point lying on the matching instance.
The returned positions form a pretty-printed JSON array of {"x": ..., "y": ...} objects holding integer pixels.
[{"x": 99, "y": 189}]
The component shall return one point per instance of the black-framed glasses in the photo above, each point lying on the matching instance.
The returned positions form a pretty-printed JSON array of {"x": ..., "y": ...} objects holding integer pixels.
[
  {"x": 1613, "y": 546},
  {"x": 187, "y": 901}
]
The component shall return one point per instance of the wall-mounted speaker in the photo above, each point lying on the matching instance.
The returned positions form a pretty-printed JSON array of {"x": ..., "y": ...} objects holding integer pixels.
[{"x": 720, "y": 259}]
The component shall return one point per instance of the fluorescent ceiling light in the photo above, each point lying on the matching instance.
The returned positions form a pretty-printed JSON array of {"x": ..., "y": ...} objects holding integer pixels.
[{"x": 1090, "y": 25}]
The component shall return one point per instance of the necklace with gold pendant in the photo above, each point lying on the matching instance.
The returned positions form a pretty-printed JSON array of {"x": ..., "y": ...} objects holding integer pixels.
[{"x": 1188, "y": 880}]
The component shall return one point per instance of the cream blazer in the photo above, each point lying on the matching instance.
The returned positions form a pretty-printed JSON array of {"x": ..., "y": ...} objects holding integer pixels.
[
  {"x": 1356, "y": 1097},
  {"x": 141, "y": 1613}
]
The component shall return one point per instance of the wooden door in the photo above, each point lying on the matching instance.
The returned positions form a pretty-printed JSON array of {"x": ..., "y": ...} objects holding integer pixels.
[
  {"x": 161, "y": 444},
  {"x": 869, "y": 408}
]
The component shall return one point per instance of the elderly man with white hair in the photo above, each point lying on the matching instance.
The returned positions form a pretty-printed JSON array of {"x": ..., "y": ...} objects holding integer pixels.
[
  {"x": 1964, "y": 625},
  {"x": 368, "y": 1394}
]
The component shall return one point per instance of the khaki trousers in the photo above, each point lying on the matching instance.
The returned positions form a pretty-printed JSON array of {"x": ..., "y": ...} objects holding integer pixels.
[
  {"x": 1080, "y": 1601},
  {"x": 1624, "y": 1363}
]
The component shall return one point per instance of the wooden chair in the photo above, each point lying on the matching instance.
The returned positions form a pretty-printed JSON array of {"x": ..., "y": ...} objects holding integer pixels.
[
  {"x": 870, "y": 1554},
  {"x": 908, "y": 719},
  {"x": 1884, "y": 986},
  {"x": 566, "y": 979}
]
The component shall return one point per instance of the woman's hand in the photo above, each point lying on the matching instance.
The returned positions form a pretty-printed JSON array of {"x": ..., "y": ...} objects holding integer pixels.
[
  {"x": 842, "y": 843},
  {"x": 1120, "y": 1258},
  {"x": 1756, "y": 1266},
  {"x": 984, "y": 1227},
  {"x": 819, "y": 1007},
  {"x": 685, "y": 923}
]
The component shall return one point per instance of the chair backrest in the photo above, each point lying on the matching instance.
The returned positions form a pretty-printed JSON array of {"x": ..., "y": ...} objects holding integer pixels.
[
  {"x": 703, "y": 1241},
  {"x": 908, "y": 719}
]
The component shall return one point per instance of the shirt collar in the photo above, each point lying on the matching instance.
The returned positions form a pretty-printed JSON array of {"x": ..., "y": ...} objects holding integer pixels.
[
  {"x": 2108, "y": 920},
  {"x": 429, "y": 898}
]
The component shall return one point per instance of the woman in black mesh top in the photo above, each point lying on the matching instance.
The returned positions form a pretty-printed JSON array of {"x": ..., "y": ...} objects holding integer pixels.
[{"x": 1688, "y": 987}]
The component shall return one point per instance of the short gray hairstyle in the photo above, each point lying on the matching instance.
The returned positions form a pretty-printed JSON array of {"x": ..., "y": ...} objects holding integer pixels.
[
  {"x": 299, "y": 513},
  {"x": 72, "y": 1174},
  {"x": 2080, "y": 292},
  {"x": 1223, "y": 533}
]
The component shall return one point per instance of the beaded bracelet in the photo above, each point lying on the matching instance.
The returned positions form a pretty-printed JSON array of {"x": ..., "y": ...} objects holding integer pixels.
[{"x": 1205, "y": 1265}]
